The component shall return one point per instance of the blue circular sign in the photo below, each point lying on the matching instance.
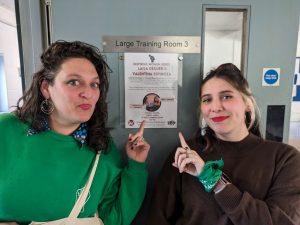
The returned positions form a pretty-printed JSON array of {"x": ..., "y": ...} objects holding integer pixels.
[{"x": 271, "y": 76}]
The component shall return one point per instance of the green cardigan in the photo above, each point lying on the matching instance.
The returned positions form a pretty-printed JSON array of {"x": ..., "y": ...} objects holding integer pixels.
[{"x": 41, "y": 177}]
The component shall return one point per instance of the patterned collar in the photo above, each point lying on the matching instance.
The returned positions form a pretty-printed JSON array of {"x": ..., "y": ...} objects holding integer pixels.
[{"x": 79, "y": 135}]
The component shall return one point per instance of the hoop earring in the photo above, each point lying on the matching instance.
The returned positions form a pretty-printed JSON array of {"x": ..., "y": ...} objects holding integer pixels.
[
  {"x": 203, "y": 127},
  {"x": 47, "y": 107}
]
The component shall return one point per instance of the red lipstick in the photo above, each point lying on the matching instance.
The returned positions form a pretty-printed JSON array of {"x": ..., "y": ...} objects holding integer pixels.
[
  {"x": 85, "y": 106},
  {"x": 219, "y": 118}
]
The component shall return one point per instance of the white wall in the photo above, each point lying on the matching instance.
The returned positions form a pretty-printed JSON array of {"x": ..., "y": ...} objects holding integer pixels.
[
  {"x": 294, "y": 136},
  {"x": 298, "y": 45},
  {"x": 10, "y": 51},
  {"x": 222, "y": 47},
  {"x": 295, "y": 106}
]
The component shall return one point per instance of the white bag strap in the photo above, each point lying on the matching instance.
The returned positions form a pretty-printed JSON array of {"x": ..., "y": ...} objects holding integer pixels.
[{"x": 82, "y": 197}]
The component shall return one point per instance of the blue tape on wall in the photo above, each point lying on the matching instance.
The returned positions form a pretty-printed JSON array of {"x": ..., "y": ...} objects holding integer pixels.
[{"x": 297, "y": 97}]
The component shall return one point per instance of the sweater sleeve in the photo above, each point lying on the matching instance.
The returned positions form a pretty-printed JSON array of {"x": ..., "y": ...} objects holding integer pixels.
[
  {"x": 281, "y": 205},
  {"x": 165, "y": 207},
  {"x": 125, "y": 195}
]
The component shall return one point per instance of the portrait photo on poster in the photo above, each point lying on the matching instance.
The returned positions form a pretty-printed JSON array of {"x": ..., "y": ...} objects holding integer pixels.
[{"x": 152, "y": 102}]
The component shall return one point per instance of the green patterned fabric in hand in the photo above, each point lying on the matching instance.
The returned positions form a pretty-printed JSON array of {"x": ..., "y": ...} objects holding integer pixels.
[{"x": 210, "y": 174}]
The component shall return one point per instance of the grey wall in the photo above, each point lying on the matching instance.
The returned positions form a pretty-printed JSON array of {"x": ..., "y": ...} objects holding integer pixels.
[{"x": 272, "y": 43}]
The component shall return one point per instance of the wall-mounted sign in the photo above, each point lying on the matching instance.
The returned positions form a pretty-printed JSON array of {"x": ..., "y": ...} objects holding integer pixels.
[
  {"x": 151, "y": 83},
  {"x": 158, "y": 44},
  {"x": 271, "y": 76}
]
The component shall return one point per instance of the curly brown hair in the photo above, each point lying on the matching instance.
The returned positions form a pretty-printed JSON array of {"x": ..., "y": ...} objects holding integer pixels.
[{"x": 28, "y": 106}]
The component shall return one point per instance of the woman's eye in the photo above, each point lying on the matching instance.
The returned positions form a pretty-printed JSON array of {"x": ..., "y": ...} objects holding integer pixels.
[
  {"x": 73, "y": 82},
  {"x": 226, "y": 97},
  {"x": 95, "y": 85},
  {"x": 205, "y": 100}
]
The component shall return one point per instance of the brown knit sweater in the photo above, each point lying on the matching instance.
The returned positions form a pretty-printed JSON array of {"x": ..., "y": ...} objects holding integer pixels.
[{"x": 265, "y": 188}]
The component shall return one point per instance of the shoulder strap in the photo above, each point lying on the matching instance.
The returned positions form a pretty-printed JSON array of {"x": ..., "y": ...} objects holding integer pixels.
[{"x": 82, "y": 197}]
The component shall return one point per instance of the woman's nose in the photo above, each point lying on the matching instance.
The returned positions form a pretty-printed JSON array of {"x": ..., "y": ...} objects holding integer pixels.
[
  {"x": 217, "y": 106},
  {"x": 86, "y": 92}
]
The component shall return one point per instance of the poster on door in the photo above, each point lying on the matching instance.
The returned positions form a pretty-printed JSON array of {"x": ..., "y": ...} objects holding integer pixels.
[{"x": 151, "y": 86}]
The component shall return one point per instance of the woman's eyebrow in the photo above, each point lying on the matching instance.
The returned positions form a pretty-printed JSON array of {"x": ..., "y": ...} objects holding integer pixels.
[
  {"x": 75, "y": 75},
  {"x": 205, "y": 95},
  {"x": 226, "y": 91}
]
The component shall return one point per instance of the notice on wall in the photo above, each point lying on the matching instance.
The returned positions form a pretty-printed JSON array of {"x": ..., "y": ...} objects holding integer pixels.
[
  {"x": 271, "y": 77},
  {"x": 151, "y": 84}
]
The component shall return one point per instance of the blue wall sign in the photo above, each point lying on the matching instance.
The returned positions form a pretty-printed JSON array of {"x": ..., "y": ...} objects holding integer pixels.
[{"x": 271, "y": 76}]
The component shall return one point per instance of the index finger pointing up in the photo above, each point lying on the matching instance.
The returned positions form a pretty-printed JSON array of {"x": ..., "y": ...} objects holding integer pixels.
[
  {"x": 182, "y": 141},
  {"x": 140, "y": 132}
]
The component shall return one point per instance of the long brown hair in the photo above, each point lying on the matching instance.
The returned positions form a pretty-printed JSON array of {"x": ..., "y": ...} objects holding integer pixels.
[
  {"x": 28, "y": 106},
  {"x": 205, "y": 136}
]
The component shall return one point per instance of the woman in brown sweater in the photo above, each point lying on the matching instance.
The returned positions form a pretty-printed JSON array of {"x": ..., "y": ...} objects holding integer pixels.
[{"x": 228, "y": 174}]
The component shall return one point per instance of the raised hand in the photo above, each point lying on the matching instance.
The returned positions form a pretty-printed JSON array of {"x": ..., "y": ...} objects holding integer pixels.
[
  {"x": 137, "y": 147},
  {"x": 187, "y": 160}
]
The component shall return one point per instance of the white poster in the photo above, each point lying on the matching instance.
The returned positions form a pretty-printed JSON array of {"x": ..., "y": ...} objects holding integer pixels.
[{"x": 151, "y": 84}]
